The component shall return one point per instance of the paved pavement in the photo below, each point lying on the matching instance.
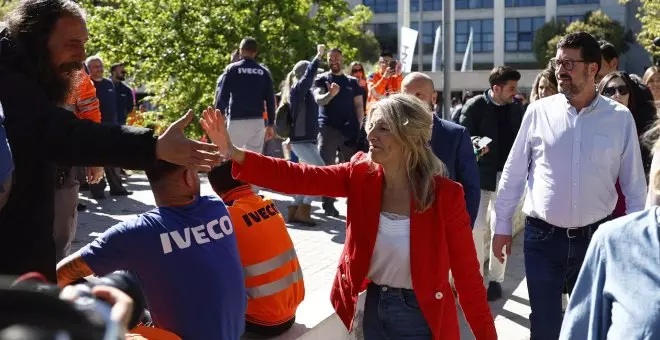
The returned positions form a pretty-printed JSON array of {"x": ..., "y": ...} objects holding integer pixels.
[{"x": 318, "y": 250}]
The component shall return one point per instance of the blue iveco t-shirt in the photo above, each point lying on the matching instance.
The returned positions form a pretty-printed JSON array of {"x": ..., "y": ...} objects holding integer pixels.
[
  {"x": 340, "y": 111},
  {"x": 186, "y": 260}
]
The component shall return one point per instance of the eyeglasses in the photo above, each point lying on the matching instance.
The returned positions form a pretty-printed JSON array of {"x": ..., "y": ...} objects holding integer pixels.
[
  {"x": 611, "y": 90},
  {"x": 567, "y": 63},
  {"x": 356, "y": 70}
]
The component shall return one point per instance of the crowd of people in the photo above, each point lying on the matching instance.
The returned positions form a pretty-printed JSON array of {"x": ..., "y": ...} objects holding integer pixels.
[{"x": 428, "y": 201}]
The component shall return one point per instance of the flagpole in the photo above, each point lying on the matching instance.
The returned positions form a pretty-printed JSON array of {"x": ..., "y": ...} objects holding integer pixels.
[{"x": 447, "y": 57}]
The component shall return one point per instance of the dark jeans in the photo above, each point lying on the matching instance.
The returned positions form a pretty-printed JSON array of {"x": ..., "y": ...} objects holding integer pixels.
[
  {"x": 553, "y": 257},
  {"x": 331, "y": 140},
  {"x": 113, "y": 179},
  {"x": 393, "y": 314},
  {"x": 253, "y": 330}
]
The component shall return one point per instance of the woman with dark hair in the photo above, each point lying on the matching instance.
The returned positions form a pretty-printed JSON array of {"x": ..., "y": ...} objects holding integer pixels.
[{"x": 618, "y": 86}]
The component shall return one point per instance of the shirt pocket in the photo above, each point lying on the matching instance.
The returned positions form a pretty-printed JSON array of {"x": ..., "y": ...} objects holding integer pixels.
[{"x": 603, "y": 151}]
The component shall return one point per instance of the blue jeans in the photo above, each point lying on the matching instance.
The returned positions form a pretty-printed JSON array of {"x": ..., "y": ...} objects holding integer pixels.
[
  {"x": 553, "y": 257},
  {"x": 393, "y": 314},
  {"x": 307, "y": 153}
]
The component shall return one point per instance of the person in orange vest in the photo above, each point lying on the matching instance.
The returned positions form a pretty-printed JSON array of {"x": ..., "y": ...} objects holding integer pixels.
[
  {"x": 387, "y": 80},
  {"x": 273, "y": 276}
]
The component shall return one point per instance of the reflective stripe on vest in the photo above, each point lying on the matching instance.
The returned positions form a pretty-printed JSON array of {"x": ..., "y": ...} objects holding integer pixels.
[
  {"x": 270, "y": 264},
  {"x": 275, "y": 286}
]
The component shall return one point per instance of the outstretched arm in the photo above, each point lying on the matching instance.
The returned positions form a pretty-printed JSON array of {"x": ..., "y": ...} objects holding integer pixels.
[
  {"x": 72, "y": 268},
  {"x": 283, "y": 176}
]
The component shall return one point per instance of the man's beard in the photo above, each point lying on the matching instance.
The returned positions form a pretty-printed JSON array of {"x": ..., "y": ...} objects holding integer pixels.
[
  {"x": 121, "y": 77},
  {"x": 59, "y": 81},
  {"x": 573, "y": 89}
]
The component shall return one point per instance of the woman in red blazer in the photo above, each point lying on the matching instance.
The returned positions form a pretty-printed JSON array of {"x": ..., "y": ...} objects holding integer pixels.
[{"x": 406, "y": 226}]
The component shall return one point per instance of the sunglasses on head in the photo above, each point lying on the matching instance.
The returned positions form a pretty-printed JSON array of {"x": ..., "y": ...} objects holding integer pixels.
[{"x": 609, "y": 91}]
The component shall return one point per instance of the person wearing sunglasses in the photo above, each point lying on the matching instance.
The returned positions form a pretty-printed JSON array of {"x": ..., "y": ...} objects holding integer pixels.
[
  {"x": 619, "y": 87},
  {"x": 357, "y": 71}
]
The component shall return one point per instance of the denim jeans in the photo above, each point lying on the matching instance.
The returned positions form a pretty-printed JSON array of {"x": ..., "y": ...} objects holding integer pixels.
[
  {"x": 307, "y": 153},
  {"x": 552, "y": 261},
  {"x": 393, "y": 314}
]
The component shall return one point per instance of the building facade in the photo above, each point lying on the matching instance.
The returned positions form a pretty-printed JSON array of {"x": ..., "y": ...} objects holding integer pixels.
[{"x": 504, "y": 30}]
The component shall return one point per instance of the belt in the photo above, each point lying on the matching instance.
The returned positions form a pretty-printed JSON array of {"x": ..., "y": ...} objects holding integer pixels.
[{"x": 585, "y": 231}]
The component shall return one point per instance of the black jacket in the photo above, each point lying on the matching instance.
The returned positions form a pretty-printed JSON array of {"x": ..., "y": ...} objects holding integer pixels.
[
  {"x": 305, "y": 120},
  {"x": 42, "y": 135},
  {"x": 644, "y": 116},
  {"x": 478, "y": 117}
]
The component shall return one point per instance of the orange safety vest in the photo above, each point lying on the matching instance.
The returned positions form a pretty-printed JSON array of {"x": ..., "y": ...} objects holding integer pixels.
[
  {"x": 150, "y": 333},
  {"x": 273, "y": 276},
  {"x": 380, "y": 87},
  {"x": 83, "y": 102}
]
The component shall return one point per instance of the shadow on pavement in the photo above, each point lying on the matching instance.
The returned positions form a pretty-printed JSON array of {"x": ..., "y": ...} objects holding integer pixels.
[{"x": 335, "y": 226}]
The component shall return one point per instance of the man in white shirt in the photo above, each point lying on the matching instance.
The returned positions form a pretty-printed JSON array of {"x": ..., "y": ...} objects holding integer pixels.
[{"x": 571, "y": 148}]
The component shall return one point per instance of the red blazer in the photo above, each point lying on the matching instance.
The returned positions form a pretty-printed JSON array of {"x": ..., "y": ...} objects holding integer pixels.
[{"x": 440, "y": 237}]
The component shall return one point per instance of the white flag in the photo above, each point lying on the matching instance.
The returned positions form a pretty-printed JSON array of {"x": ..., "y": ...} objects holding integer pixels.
[
  {"x": 467, "y": 57},
  {"x": 436, "y": 48},
  {"x": 407, "y": 48}
]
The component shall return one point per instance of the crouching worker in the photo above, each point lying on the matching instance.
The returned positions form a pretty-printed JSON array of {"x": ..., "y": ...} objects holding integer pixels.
[
  {"x": 273, "y": 276},
  {"x": 184, "y": 255}
]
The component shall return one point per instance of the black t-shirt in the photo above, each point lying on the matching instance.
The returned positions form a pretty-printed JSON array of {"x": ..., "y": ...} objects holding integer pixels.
[{"x": 340, "y": 112}]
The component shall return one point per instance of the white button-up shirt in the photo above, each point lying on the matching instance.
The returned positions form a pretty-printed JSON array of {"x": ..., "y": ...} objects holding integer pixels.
[{"x": 571, "y": 163}]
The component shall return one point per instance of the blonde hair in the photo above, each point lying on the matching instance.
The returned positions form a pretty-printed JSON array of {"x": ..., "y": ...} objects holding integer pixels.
[
  {"x": 649, "y": 73},
  {"x": 288, "y": 82},
  {"x": 411, "y": 125}
]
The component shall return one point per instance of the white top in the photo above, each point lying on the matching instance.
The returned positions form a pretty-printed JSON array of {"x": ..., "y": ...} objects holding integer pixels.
[
  {"x": 570, "y": 163},
  {"x": 390, "y": 261}
]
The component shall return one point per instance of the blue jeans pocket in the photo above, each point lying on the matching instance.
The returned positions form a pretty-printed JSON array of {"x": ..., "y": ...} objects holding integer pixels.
[
  {"x": 408, "y": 300},
  {"x": 535, "y": 233}
]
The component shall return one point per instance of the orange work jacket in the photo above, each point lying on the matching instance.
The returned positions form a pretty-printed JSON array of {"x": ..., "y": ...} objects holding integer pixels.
[
  {"x": 83, "y": 102},
  {"x": 273, "y": 276},
  {"x": 380, "y": 87}
]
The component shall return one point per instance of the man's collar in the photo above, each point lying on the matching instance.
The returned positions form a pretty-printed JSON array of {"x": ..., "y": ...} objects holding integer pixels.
[
  {"x": 238, "y": 192},
  {"x": 490, "y": 99},
  {"x": 592, "y": 105}
]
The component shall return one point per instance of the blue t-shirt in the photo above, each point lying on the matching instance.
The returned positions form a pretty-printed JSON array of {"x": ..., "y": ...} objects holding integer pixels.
[
  {"x": 340, "y": 111},
  {"x": 105, "y": 92},
  {"x": 6, "y": 160},
  {"x": 186, "y": 260}
]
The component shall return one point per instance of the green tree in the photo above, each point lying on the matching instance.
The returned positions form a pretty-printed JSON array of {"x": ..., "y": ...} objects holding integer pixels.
[
  {"x": 546, "y": 32},
  {"x": 648, "y": 14},
  {"x": 178, "y": 48},
  {"x": 597, "y": 23}
]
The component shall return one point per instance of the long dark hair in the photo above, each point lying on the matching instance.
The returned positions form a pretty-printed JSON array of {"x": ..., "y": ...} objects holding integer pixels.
[
  {"x": 629, "y": 84},
  {"x": 24, "y": 43}
]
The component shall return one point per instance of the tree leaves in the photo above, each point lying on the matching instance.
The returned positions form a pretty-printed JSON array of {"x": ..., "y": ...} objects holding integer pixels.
[
  {"x": 176, "y": 49},
  {"x": 597, "y": 23}
]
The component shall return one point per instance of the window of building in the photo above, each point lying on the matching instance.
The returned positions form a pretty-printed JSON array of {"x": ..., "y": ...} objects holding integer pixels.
[
  {"x": 524, "y": 3},
  {"x": 382, "y": 6},
  {"x": 428, "y": 5},
  {"x": 519, "y": 33},
  {"x": 568, "y": 19},
  {"x": 577, "y": 2},
  {"x": 386, "y": 34},
  {"x": 467, "y": 4},
  {"x": 428, "y": 33},
  {"x": 483, "y": 35}
]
